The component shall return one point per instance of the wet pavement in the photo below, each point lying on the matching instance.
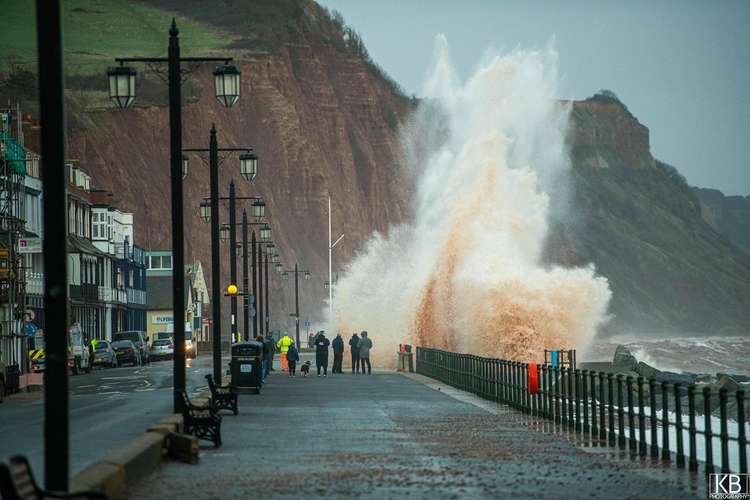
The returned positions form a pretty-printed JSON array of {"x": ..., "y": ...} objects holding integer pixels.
[
  {"x": 108, "y": 409},
  {"x": 393, "y": 436}
]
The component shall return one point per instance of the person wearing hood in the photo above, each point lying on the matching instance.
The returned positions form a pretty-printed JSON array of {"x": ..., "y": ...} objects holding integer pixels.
[
  {"x": 321, "y": 352},
  {"x": 292, "y": 356},
  {"x": 338, "y": 353},
  {"x": 354, "y": 348},
  {"x": 365, "y": 344},
  {"x": 283, "y": 345}
]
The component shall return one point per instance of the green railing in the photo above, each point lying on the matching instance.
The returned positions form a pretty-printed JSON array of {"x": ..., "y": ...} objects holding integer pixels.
[{"x": 15, "y": 154}]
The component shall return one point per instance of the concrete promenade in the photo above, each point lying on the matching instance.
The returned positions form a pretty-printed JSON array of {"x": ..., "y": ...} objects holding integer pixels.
[{"x": 392, "y": 436}]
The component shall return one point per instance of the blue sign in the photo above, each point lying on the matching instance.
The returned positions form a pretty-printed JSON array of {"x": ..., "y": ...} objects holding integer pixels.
[
  {"x": 553, "y": 361},
  {"x": 307, "y": 323},
  {"x": 29, "y": 329},
  {"x": 252, "y": 312}
]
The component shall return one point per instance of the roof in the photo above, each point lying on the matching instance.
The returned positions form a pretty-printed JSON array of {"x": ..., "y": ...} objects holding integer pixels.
[{"x": 76, "y": 244}]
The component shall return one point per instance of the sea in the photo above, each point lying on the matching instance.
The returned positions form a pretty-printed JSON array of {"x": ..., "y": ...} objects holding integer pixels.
[{"x": 688, "y": 354}]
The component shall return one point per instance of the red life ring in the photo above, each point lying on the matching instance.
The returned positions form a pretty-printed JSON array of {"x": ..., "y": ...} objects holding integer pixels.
[{"x": 533, "y": 379}]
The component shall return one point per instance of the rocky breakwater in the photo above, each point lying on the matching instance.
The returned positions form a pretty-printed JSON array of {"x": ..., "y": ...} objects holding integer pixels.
[{"x": 625, "y": 364}]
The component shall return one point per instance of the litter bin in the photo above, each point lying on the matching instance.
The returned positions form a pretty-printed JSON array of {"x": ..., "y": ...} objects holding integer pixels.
[{"x": 245, "y": 367}]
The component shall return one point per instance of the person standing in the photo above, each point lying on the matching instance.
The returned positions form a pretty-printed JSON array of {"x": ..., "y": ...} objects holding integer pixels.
[
  {"x": 269, "y": 349},
  {"x": 354, "y": 348},
  {"x": 321, "y": 352},
  {"x": 292, "y": 356},
  {"x": 284, "y": 342},
  {"x": 338, "y": 353},
  {"x": 365, "y": 344},
  {"x": 263, "y": 361}
]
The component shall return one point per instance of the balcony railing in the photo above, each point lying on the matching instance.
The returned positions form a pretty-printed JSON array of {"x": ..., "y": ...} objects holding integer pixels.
[
  {"x": 86, "y": 292},
  {"x": 34, "y": 283},
  {"x": 136, "y": 296}
]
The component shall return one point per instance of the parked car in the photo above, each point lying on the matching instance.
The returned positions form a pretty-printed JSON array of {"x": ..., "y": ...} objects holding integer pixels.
[
  {"x": 163, "y": 336},
  {"x": 162, "y": 349},
  {"x": 126, "y": 352},
  {"x": 104, "y": 355},
  {"x": 137, "y": 337}
]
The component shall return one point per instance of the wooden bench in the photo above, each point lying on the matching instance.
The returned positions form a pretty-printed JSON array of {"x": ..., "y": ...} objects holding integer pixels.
[
  {"x": 201, "y": 421},
  {"x": 17, "y": 483},
  {"x": 222, "y": 397}
]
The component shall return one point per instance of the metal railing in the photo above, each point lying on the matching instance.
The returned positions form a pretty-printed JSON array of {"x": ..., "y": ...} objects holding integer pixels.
[{"x": 672, "y": 421}]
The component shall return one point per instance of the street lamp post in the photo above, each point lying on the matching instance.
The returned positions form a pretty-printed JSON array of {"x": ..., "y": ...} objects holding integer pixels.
[
  {"x": 209, "y": 212},
  {"x": 122, "y": 92},
  {"x": 331, "y": 245},
  {"x": 52, "y": 118},
  {"x": 245, "y": 280},
  {"x": 233, "y": 258}
]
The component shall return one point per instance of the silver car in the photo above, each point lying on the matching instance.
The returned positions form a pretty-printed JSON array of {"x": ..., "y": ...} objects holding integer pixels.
[{"x": 162, "y": 349}]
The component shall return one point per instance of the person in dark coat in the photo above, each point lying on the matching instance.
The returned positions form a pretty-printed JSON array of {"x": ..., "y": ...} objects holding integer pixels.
[
  {"x": 365, "y": 344},
  {"x": 321, "y": 353},
  {"x": 354, "y": 348},
  {"x": 269, "y": 349},
  {"x": 292, "y": 356},
  {"x": 338, "y": 353}
]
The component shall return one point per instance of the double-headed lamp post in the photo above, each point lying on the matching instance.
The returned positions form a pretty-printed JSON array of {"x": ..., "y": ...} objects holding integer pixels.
[
  {"x": 209, "y": 212},
  {"x": 122, "y": 91}
]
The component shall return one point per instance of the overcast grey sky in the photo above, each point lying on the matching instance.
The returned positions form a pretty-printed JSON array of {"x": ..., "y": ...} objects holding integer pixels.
[{"x": 682, "y": 67}]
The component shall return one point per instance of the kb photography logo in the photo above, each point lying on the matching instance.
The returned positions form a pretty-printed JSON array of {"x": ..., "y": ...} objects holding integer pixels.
[{"x": 728, "y": 486}]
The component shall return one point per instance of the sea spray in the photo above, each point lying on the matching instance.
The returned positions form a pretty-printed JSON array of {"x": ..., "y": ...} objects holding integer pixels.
[{"x": 465, "y": 274}]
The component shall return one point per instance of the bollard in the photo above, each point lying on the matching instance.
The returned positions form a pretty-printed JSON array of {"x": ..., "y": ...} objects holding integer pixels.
[
  {"x": 741, "y": 436},
  {"x": 654, "y": 422},
  {"x": 693, "y": 460},
  {"x": 665, "y": 453},
  {"x": 620, "y": 414},
  {"x": 631, "y": 413},
  {"x": 641, "y": 419},
  {"x": 678, "y": 426},
  {"x": 707, "y": 434}
]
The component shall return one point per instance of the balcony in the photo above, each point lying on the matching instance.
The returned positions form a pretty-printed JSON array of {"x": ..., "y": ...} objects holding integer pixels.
[
  {"x": 136, "y": 297},
  {"x": 85, "y": 292},
  {"x": 35, "y": 283}
]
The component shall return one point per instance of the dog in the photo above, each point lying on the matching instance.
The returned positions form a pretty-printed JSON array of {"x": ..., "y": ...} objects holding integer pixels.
[{"x": 305, "y": 369}]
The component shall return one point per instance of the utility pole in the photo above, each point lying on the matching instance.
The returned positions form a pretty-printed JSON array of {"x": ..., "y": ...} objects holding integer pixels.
[
  {"x": 245, "y": 281},
  {"x": 296, "y": 303},
  {"x": 255, "y": 285},
  {"x": 331, "y": 245}
]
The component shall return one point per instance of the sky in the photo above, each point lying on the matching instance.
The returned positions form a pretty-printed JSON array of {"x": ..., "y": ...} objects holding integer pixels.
[{"x": 682, "y": 67}]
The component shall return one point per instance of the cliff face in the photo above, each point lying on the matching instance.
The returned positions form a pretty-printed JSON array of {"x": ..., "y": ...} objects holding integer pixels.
[
  {"x": 640, "y": 223},
  {"x": 728, "y": 215},
  {"x": 321, "y": 124}
]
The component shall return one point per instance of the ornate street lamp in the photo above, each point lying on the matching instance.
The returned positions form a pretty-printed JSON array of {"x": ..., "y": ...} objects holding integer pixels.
[
  {"x": 227, "y": 84},
  {"x": 279, "y": 267},
  {"x": 248, "y": 166},
  {"x": 285, "y": 275},
  {"x": 224, "y": 232},
  {"x": 122, "y": 85},
  {"x": 307, "y": 275},
  {"x": 184, "y": 166},
  {"x": 326, "y": 285},
  {"x": 265, "y": 233},
  {"x": 258, "y": 209},
  {"x": 275, "y": 258},
  {"x": 206, "y": 211}
]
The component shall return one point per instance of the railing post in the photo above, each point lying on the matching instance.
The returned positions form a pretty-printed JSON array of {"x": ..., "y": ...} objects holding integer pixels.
[
  {"x": 741, "y": 435},
  {"x": 594, "y": 415},
  {"x": 724, "y": 437},
  {"x": 678, "y": 426},
  {"x": 641, "y": 419},
  {"x": 577, "y": 375},
  {"x": 620, "y": 414},
  {"x": 585, "y": 400},
  {"x": 571, "y": 414},
  {"x": 602, "y": 408},
  {"x": 693, "y": 460},
  {"x": 708, "y": 435},
  {"x": 563, "y": 397},
  {"x": 665, "y": 452},
  {"x": 611, "y": 407},
  {"x": 631, "y": 413},
  {"x": 654, "y": 421}
]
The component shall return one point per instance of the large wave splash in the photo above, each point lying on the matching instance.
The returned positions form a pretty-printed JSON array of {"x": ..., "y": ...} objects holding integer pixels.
[{"x": 466, "y": 275}]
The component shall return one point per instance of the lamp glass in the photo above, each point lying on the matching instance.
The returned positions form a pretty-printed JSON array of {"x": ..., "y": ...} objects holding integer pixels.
[
  {"x": 227, "y": 84},
  {"x": 279, "y": 267},
  {"x": 258, "y": 209},
  {"x": 275, "y": 258},
  {"x": 224, "y": 233},
  {"x": 184, "y": 166},
  {"x": 206, "y": 211},
  {"x": 122, "y": 85},
  {"x": 248, "y": 166},
  {"x": 307, "y": 275},
  {"x": 265, "y": 233}
]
